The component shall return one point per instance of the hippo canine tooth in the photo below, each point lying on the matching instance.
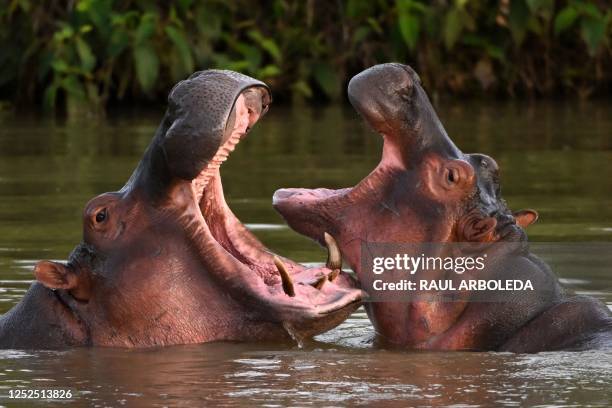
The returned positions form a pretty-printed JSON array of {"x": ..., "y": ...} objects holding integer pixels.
[
  {"x": 285, "y": 277},
  {"x": 320, "y": 282},
  {"x": 334, "y": 258},
  {"x": 333, "y": 275}
]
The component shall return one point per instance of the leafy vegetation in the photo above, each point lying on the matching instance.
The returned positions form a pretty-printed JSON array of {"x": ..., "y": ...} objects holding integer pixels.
[{"x": 85, "y": 54}]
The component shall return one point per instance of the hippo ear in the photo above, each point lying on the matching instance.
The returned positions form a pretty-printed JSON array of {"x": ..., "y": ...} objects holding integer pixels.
[
  {"x": 479, "y": 229},
  {"x": 55, "y": 275},
  {"x": 525, "y": 218}
]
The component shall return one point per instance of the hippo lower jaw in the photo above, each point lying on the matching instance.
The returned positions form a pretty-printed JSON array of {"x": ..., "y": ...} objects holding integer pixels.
[{"x": 309, "y": 301}]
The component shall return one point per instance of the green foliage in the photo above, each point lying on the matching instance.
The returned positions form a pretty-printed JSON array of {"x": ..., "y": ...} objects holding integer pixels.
[
  {"x": 594, "y": 24},
  {"x": 81, "y": 55}
]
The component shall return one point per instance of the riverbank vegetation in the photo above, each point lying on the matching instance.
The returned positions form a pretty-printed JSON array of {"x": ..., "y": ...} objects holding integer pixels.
[{"x": 84, "y": 55}]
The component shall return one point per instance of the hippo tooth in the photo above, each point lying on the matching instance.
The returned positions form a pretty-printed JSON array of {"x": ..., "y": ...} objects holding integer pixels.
[
  {"x": 285, "y": 277},
  {"x": 334, "y": 258},
  {"x": 320, "y": 282},
  {"x": 215, "y": 163},
  {"x": 333, "y": 275}
]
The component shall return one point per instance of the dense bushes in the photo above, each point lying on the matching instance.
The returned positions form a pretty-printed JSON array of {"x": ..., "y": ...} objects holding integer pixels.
[{"x": 84, "y": 54}]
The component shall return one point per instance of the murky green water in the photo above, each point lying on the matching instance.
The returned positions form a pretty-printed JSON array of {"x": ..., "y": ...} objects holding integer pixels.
[{"x": 556, "y": 158}]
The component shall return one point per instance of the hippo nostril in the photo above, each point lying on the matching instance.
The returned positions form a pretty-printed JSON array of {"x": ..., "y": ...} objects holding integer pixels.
[{"x": 282, "y": 194}]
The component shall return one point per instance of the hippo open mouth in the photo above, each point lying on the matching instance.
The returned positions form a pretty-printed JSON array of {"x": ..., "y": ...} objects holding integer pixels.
[{"x": 313, "y": 291}]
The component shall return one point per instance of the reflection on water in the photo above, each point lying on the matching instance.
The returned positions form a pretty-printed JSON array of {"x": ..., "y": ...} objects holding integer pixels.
[
  {"x": 319, "y": 374},
  {"x": 555, "y": 158}
]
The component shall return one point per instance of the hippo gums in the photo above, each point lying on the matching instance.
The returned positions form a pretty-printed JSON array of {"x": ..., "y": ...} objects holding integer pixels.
[
  {"x": 165, "y": 261},
  {"x": 425, "y": 190}
]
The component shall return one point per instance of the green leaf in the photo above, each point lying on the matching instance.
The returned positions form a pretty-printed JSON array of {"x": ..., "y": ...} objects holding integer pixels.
[
  {"x": 408, "y": 21},
  {"x": 327, "y": 79},
  {"x": 588, "y": 9},
  {"x": 65, "y": 32},
  {"x": 452, "y": 27},
  {"x": 302, "y": 88},
  {"x": 375, "y": 26},
  {"x": 267, "y": 44},
  {"x": 358, "y": 8},
  {"x": 251, "y": 54},
  {"x": 565, "y": 19},
  {"x": 209, "y": 24},
  {"x": 269, "y": 71},
  {"x": 239, "y": 66},
  {"x": 182, "y": 47},
  {"x": 147, "y": 66},
  {"x": 50, "y": 96},
  {"x": 185, "y": 4},
  {"x": 537, "y": 5},
  {"x": 73, "y": 87},
  {"x": 99, "y": 13},
  {"x": 83, "y": 5},
  {"x": 59, "y": 65},
  {"x": 518, "y": 19},
  {"x": 88, "y": 60},
  {"x": 409, "y": 27},
  {"x": 146, "y": 28},
  {"x": 495, "y": 52},
  {"x": 593, "y": 32},
  {"x": 361, "y": 34},
  {"x": 119, "y": 40}
]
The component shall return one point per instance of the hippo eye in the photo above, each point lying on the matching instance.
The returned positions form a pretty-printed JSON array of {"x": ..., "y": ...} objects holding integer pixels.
[{"x": 101, "y": 215}]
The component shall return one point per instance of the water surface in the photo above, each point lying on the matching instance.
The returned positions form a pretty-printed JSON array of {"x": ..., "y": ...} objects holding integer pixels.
[{"x": 556, "y": 158}]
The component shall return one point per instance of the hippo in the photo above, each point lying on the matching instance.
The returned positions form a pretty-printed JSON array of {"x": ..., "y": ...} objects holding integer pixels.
[
  {"x": 164, "y": 261},
  {"x": 425, "y": 190}
]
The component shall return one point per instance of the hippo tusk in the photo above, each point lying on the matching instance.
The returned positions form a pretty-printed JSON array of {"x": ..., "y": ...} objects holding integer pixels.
[
  {"x": 334, "y": 258},
  {"x": 333, "y": 275},
  {"x": 320, "y": 282},
  {"x": 285, "y": 277}
]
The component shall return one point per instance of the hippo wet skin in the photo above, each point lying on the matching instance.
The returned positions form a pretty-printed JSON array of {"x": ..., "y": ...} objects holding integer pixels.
[
  {"x": 165, "y": 261},
  {"x": 425, "y": 190}
]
